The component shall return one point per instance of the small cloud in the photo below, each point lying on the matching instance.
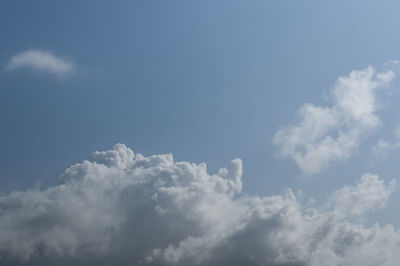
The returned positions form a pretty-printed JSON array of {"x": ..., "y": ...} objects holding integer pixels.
[
  {"x": 370, "y": 193},
  {"x": 41, "y": 61},
  {"x": 383, "y": 147},
  {"x": 323, "y": 135},
  {"x": 392, "y": 62}
]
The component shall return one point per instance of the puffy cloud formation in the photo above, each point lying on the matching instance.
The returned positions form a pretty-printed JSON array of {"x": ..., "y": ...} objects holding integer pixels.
[
  {"x": 323, "y": 135},
  {"x": 121, "y": 208},
  {"x": 42, "y": 61}
]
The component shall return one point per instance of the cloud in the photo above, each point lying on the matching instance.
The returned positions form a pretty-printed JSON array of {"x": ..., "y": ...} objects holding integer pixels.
[
  {"x": 321, "y": 136},
  {"x": 122, "y": 208},
  {"x": 369, "y": 193},
  {"x": 392, "y": 62},
  {"x": 383, "y": 147},
  {"x": 41, "y": 61}
]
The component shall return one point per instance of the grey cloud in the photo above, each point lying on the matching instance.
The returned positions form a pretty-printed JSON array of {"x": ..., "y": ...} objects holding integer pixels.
[{"x": 122, "y": 208}]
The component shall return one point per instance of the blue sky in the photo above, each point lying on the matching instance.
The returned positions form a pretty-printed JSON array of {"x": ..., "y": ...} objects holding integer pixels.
[
  {"x": 207, "y": 81},
  {"x": 305, "y": 93}
]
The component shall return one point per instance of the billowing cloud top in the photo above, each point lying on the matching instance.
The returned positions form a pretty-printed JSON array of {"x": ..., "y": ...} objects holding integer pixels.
[
  {"x": 41, "y": 61},
  {"x": 121, "y": 208},
  {"x": 328, "y": 134}
]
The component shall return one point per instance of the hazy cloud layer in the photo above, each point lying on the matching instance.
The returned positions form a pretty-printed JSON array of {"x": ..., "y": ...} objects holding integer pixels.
[
  {"x": 323, "y": 135},
  {"x": 121, "y": 208},
  {"x": 42, "y": 61}
]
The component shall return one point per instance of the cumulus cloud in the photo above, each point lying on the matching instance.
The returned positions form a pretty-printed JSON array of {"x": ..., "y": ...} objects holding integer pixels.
[
  {"x": 122, "y": 208},
  {"x": 42, "y": 61},
  {"x": 370, "y": 193},
  {"x": 323, "y": 135}
]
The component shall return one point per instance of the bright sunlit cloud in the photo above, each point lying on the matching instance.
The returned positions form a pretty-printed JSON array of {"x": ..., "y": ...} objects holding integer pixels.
[{"x": 323, "y": 135}]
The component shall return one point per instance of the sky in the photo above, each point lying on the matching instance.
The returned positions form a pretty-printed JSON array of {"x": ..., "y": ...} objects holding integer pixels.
[{"x": 280, "y": 115}]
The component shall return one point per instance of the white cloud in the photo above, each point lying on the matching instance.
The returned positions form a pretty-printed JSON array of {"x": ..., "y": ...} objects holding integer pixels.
[
  {"x": 121, "y": 208},
  {"x": 324, "y": 135},
  {"x": 42, "y": 61},
  {"x": 369, "y": 193}
]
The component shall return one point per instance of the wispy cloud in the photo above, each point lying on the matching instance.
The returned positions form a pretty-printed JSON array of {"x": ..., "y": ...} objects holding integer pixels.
[
  {"x": 383, "y": 147},
  {"x": 122, "y": 208},
  {"x": 328, "y": 134},
  {"x": 392, "y": 62},
  {"x": 42, "y": 61}
]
